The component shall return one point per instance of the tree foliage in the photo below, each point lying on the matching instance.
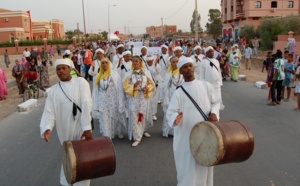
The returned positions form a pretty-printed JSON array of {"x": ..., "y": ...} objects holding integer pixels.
[
  {"x": 214, "y": 24},
  {"x": 270, "y": 28},
  {"x": 196, "y": 19},
  {"x": 249, "y": 32}
]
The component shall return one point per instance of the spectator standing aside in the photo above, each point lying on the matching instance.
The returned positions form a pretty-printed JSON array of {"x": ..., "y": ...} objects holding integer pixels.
[
  {"x": 33, "y": 54},
  {"x": 6, "y": 58},
  {"x": 51, "y": 54},
  {"x": 289, "y": 70},
  {"x": 267, "y": 62},
  {"x": 17, "y": 72},
  {"x": 248, "y": 55},
  {"x": 26, "y": 54},
  {"x": 255, "y": 44},
  {"x": 88, "y": 59},
  {"x": 58, "y": 50},
  {"x": 297, "y": 88},
  {"x": 3, "y": 86},
  {"x": 44, "y": 54},
  {"x": 277, "y": 79}
]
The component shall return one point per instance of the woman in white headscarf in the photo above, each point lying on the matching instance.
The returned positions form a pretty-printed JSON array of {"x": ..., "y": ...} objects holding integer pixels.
[
  {"x": 109, "y": 101},
  {"x": 172, "y": 80},
  {"x": 139, "y": 87}
]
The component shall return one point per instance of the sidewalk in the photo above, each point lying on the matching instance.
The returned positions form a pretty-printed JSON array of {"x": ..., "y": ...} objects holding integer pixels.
[{"x": 13, "y": 99}]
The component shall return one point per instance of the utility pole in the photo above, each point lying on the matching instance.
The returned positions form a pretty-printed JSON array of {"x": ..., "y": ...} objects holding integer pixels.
[
  {"x": 84, "y": 24},
  {"x": 162, "y": 28},
  {"x": 196, "y": 21},
  {"x": 78, "y": 32}
]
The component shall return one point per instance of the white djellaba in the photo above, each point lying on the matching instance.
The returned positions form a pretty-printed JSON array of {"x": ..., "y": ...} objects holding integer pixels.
[
  {"x": 155, "y": 75},
  {"x": 109, "y": 102},
  {"x": 189, "y": 172},
  {"x": 172, "y": 80}
]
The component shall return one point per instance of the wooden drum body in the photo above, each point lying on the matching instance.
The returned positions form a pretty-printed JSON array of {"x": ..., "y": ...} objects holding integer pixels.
[
  {"x": 88, "y": 159},
  {"x": 215, "y": 143}
]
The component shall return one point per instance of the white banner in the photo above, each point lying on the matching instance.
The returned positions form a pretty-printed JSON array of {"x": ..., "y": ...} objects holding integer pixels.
[{"x": 150, "y": 51}]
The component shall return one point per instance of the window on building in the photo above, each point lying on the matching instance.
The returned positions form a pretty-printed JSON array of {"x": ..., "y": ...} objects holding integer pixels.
[
  {"x": 274, "y": 4},
  {"x": 255, "y": 18},
  {"x": 225, "y": 10},
  {"x": 25, "y": 23},
  {"x": 257, "y": 4},
  {"x": 231, "y": 8},
  {"x": 290, "y": 4}
]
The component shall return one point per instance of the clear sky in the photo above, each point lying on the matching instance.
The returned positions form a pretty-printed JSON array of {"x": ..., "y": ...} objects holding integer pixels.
[{"x": 133, "y": 14}]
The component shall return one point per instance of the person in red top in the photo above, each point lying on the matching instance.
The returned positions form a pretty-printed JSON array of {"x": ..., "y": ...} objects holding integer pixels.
[
  {"x": 88, "y": 61},
  {"x": 33, "y": 78}
]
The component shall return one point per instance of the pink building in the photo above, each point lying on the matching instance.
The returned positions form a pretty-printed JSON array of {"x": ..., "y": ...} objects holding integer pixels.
[
  {"x": 156, "y": 31},
  {"x": 14, "y": 25},
  {"x": 19, "y": 25},
  {"x": 237, "y": 13}
]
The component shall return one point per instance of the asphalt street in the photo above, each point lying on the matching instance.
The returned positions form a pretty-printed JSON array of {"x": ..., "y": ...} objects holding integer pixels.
[{"x": 26, "y": 159}]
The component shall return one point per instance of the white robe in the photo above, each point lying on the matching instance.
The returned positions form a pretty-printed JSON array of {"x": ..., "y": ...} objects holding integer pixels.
[
  {"x": 58, "y": 110},
  {"x": 116, "y": 59},
  {"x": 189, "y": 173},
  {"x": 124, "y": 68},
  {"x": 212, "y": 75},
  {"x": 164, "y": 65},
  {"x": 155, "y": 73},
  {"x": 94, "y": 72},
  {"x": 169, "y": 87},
  {"x": 138, "y": 104},
  {"x": 197, "y": 64},
  {"x": 109, "y": 105}
]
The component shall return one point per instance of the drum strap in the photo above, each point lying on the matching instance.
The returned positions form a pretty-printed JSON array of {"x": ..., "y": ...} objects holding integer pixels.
[
  {"x": 195, "y": 103},
  {"x": 75, "y": 106}
]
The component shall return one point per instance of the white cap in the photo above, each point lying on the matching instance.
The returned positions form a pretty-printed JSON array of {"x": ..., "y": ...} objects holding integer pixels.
[
  {"x": 164, "y": 46},
  {"x": 99, "y": 50},
  {"x": 184, "y": 60},
  {"x": 177, "y": 48},
  {"x": 197, "y": 47},
  {"x": 149, "y": 58},
  {"x": 126, "y": 53},
  {"x": 144, "y": 47},
  {"x": 66, "y": 61},
  {"x": 67, "y": 52},
  {"x": 120, "y": 45},
  {"x": 208, "y": 48}
]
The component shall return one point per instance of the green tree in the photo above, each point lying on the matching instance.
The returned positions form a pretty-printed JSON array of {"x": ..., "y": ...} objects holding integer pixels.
[
  {"x": 196, "y": 19},
  {"x": 249, "y": 32},
  {"x": 214, "y": 24},
  {"x": 179, "y": 31},
  {"x": 70, "y": 34},
  {"x": 104, "y": 35}
]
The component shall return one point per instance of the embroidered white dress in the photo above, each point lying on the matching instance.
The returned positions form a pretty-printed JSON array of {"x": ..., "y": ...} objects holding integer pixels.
[
  {"x": 109, "y": 105},
  {"x": 139, "y": 103},
  {"x": 170, "y": 84}
]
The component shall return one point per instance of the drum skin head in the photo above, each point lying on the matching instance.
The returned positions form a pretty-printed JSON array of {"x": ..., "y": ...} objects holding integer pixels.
[
  {"x": 69, "y": 162},
  {"x": 206, "y": 144}
]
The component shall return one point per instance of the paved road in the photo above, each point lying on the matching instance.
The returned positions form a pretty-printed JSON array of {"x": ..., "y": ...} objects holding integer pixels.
[{"x": 25, "y": 159}]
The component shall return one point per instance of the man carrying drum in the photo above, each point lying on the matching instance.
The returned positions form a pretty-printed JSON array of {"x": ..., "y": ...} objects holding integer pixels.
[
  {"x": 183, "y": 115},
  {"x": 69, "y": 106}
]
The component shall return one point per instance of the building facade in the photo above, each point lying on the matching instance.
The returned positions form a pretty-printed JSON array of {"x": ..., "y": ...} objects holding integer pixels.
[
  {"x": 237, "y": 13},
  {"x": 19, "y": 25},
  {"x": 157, "y": 31}
]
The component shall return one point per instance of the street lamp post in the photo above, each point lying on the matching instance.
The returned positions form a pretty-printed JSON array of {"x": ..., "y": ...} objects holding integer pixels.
[
  {"x": 196, "y": 21},
  {"x": 108, "y": 21},
  {"x": 84, "y": 23}
]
